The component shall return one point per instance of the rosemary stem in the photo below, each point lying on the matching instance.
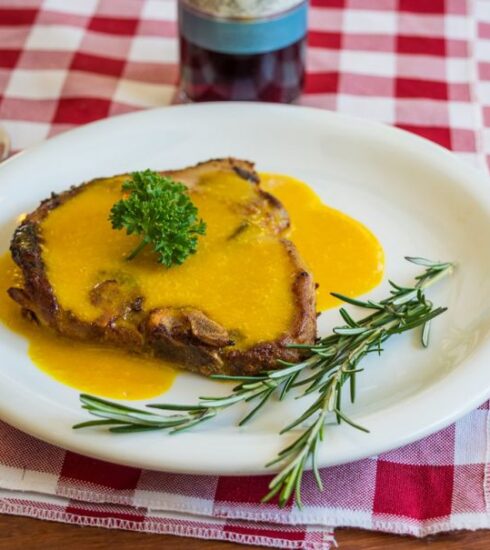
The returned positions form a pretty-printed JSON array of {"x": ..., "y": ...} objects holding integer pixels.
[
  {"x": 436, "y": 278},
  {"x": 333, "y": 362}
]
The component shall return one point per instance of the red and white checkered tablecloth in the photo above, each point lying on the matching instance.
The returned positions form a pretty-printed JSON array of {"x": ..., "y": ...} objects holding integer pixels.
[{"x": 422, "y": 65}]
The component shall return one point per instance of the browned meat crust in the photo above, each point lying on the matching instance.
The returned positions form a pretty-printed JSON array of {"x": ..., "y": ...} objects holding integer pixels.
[{"x": 182, "y": 334}]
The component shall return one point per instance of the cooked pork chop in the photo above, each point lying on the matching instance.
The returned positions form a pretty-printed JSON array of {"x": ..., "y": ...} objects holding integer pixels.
[{"x": 233, "y": 307}]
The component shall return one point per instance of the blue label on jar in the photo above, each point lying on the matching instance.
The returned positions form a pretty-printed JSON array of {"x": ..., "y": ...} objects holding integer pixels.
[{"x": 246, "y": 36}]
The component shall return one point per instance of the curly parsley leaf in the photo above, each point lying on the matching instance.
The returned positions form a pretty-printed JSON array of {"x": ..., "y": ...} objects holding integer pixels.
[{"x": 161, "y": 211}]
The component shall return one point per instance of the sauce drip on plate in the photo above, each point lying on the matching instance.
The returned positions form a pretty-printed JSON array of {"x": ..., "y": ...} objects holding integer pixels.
[
  {"x": 343, "y": 255},
  {"x": 88, "y": 367}
]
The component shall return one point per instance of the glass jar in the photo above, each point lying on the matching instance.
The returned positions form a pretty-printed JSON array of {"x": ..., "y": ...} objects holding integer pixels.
[{"x": 243, "y": 50}]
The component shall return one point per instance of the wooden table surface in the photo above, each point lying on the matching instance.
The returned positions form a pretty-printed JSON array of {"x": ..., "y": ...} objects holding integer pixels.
[{"x": 30, "y": 534}]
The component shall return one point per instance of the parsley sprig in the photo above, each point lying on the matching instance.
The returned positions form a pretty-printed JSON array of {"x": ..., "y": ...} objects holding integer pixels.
[{"x": 161, "y": 211}]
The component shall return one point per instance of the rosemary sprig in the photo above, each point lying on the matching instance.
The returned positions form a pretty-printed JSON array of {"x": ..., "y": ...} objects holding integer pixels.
[{"x": 331, "y": 363}]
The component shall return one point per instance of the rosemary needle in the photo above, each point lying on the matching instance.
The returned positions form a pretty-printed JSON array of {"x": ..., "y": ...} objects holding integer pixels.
[{"x": 330, "y": 363}]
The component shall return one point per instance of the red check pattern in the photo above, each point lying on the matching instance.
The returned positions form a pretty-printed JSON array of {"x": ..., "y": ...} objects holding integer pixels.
[
  {"x": 417, "y": 64},
  {"x": 482, "y": 50}
]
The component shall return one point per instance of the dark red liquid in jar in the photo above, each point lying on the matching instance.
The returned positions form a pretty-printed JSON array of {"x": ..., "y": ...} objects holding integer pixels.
[
  {"x": 213, "y": 76},
  {"x": 210, "y": 75}
]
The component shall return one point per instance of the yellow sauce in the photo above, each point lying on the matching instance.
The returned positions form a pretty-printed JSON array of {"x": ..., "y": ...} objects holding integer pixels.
[
  {"x": 87, "y": 367},
  {"x": 342, "y": 254},
  {"x": 244, "y": 284}
]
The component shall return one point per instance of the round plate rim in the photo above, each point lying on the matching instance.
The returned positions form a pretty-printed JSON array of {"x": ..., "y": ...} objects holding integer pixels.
[{"x": 362, "y": 446}]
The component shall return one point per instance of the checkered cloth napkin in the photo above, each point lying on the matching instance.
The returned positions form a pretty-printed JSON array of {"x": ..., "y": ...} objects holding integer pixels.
[{"x": 420, "y": 65}]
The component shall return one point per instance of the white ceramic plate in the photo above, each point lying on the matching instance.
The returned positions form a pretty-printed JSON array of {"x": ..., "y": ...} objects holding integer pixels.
[{"x": 416, "y": 197}]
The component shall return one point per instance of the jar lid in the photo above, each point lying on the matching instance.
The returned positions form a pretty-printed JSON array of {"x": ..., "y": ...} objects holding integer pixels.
[{"x": 242, "y": 8}]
